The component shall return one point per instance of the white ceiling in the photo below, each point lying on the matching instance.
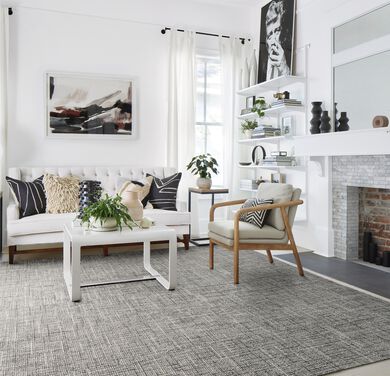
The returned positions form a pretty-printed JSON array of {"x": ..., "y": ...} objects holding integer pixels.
[{"x": 243, "y": 3}]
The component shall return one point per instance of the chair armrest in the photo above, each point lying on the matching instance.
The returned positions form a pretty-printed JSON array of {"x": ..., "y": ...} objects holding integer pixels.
[
  {"x": 222, "y": 204},
  {"x": 12, "y": 212}
]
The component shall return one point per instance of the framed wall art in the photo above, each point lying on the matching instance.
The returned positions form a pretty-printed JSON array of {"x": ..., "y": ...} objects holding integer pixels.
[
  {"x": 276, "y": 39},
  {"x": 87, "y": 105}
]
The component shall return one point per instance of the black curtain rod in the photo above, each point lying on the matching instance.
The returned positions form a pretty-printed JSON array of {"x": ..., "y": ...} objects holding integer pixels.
[
  {"x": 10, "y": 12},
  {"x": 163, "y": 31}
]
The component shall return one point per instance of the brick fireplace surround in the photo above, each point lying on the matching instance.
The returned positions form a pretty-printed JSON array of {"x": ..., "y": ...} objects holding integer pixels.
[{"x": 349, "y": 175}]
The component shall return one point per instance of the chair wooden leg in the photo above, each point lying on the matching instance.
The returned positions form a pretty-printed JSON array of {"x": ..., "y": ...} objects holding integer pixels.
[
  {"x": 211, "y": 255},
  {"x": 236, "y": 251},
  {"x": 292, "y": 242},
  {"x": 270, "y": 259},
  {"x": 11, "y": 253},
  {"x": 105, "y": 251},
  {"x": 186, "y": 241}
]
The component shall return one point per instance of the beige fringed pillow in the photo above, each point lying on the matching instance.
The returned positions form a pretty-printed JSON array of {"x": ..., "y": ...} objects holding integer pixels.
[{"x": 62, "y": 194}]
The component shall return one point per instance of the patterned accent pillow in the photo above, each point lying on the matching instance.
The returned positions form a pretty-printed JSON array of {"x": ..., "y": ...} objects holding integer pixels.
[
  {"x": 256, "y": 217},
  {"x": 163, "y": 192},
  {"x": 62, "y": 193},
  {"x": 142, "y": 187},
  {"x": 30, "y": 196}
]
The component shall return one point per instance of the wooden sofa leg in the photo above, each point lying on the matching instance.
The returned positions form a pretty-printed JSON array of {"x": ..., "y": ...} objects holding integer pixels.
[
  {"x": 270, "y": 259},
  {"x": 105, "y": 251},
  {"x": 211, "y": 255},
  {"x": 186, "y": 241},
  {"x": 11, "y": 253}
]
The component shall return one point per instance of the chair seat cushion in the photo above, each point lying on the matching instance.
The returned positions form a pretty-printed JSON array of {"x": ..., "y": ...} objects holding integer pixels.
[{"x": 246, "y": 231}]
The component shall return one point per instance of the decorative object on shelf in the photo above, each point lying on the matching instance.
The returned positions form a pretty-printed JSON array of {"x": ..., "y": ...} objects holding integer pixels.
[
  {"x": 343, "y": 122},
  {"x": 98, "y": 106},
  {"x": 276, "y": 39},
  {"x": 286, "y": 102},
  {"x": 325, "y": 126},
  {"x": 278, "y": 178},
  {"x": 316, "y": 119},
  {"x": 107, "y": 214},
  {"x": 253, "y": 69},
  {"x": 134, "y": 205},
  {"x": 259, "y": 106},
  {"x": 244, "y": 163},
  {"x": 245, "y": 75},
  {"x": 380, "y": 121},
  {"x": 264, "y": 131},
  {"x": 386, "y": 259},
  {"x": 372, "y": 252},
  {"x": 279, "y": 161},
  {"x": 247, "y": 127},
  {"x": 258, "y": 157},
  {"x": 90, "y": 192},
  {"x": 287, "y": 126},
  {"x": 203, "y": 165},
  {"x": 250, "y": 102},
  {"x": 284, "y": 95},
  {"x": 336, "y": 122}
]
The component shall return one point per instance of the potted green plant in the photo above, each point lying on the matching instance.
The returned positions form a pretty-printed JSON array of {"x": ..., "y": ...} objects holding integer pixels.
[
  {"x": 203, "y": 165},
  {"x": 247, "y": 127},
  {"x": 259, "y": 106},
  {"x": 107, "y": 214}
]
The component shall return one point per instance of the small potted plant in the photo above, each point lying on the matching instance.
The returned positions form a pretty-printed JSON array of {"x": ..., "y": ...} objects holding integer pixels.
[
  {"x": 107, "y": 214},
  {"x": 259, "y": 106},
  {"x": 203, "y": 165},
  {"x": 247, "y": 127}
]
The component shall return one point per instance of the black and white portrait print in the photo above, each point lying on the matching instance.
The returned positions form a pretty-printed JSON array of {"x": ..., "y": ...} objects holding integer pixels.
[{"x": 276, "y": 39}]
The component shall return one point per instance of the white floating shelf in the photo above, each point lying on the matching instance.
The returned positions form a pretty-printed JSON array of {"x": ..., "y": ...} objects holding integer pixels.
[
  {"x": 282, "y": 110},
  {"x": 251, "y": 115},
  {"x": 274, "y": 84},
  {"x": 260, "y": 140},
  {"x": 262, "y": 167}
]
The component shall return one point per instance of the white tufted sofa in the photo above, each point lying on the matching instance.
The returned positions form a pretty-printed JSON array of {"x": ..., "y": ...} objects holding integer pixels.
[{"x": 47, "y": 228}]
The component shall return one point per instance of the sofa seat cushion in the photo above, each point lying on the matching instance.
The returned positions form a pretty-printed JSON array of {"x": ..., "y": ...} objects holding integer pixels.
[
  {"x": 246, "y": 231},
  {"x": 39, "y": 224},
  {"x": 168, "y": 217}
]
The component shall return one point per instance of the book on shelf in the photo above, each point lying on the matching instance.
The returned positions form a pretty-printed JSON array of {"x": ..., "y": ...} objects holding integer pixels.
[
  {"x": 286, "y": 101},
  {"x": 278, "y": 164},
  {"x": 279, "y": 153}
]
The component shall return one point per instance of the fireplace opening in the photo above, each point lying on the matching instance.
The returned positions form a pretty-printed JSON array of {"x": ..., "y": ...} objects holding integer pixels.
[{"x": 374, "y": 226}]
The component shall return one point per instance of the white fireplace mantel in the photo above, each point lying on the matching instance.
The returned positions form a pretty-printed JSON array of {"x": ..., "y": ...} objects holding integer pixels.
[{"x": 375, "y": 141}]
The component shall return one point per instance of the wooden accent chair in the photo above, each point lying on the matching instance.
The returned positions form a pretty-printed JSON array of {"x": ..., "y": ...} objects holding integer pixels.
[{"x": 276, "y": 234}]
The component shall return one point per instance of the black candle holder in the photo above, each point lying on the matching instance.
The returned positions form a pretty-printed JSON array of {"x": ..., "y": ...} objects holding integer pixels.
[{"x": 372, "y": 252}]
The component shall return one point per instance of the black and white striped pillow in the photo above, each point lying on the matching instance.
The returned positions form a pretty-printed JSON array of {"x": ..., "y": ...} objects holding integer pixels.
[
  {"x": 29, "y": 195},
  {"x": 256, "y": 217},
  {"x": 163, "y": 192}
]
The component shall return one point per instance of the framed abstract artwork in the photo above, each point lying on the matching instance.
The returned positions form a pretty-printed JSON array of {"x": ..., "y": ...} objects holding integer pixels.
[
  {"x": 85, "y": 106},
  {"x": 276, "y": 39}
]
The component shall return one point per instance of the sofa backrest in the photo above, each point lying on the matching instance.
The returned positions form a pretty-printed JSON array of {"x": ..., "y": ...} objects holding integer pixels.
[{"x": 106, "y": 175}]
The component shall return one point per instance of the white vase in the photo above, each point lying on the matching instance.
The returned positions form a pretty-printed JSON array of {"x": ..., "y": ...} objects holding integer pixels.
[
  {"x": 245, "y": 75},
  {"x": 248, "y": 133},
  {"x": 134, "y": 205},
  {"x": 204, "y": 183},
  {"x": 253, "y": 69},
  {"x": 107, "y": 223}
]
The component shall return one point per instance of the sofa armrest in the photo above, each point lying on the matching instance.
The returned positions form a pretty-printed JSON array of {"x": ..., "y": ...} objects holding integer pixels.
[
  {"x": 12, "y": 212},
  {"x": 181, "y": 206}
]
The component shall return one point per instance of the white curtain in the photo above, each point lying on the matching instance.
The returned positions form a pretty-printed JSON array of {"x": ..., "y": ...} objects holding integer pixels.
[
  {"x": 233, "y": 54},
  {"x": 181, "y": 106},
  {"x": 3, "y": 90}
]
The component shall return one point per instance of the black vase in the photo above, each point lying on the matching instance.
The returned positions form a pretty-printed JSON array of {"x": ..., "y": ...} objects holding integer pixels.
[
  {"x": 316, "y": 119},
  {"x": 336, "y": 122},
  {"x": 343, "y": 122},
  {"x": 325, "y": 126},
  {"x": 89, "y": 192},
  {"x": 372, "y": 252},
  {"x": 367, "y": 237},
  {"x": 386, "y": 259}
]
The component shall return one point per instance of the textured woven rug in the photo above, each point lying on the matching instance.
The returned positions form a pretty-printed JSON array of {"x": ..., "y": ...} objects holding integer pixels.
[{"x": 273, "y": 323}]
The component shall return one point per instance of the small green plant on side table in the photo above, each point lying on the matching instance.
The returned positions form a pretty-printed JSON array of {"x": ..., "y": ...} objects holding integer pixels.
[{"x": 203, "y": 165}]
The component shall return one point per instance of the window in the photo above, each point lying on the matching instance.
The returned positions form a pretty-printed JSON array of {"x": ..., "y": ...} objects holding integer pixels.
[{"x": 209, "y": 126}]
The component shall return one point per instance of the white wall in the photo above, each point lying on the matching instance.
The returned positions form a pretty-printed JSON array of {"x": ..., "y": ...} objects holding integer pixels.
[
  {"x": 121, "y": 37},
  {"x": 315, "y": 19}
]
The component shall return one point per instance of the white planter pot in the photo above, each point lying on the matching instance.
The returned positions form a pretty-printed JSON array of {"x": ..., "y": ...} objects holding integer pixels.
[
  {"x": 204, "y": 183},
  {"x": 248, "y": 133},
  {"x": 108, "y": 223}
]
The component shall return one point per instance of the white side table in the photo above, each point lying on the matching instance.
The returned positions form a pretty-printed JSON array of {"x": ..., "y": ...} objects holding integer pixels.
[{"x": 77, "y": 237}]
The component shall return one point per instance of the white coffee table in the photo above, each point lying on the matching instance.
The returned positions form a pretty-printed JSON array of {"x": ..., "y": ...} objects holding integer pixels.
[{"x": 77, "y": 237}]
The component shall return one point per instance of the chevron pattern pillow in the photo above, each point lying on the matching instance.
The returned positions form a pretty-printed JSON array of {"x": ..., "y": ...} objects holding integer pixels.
[
  {"x": 256, "y": 217},
  {"x": 163, "y": 192},
  {"x": 30, "y": 196}
]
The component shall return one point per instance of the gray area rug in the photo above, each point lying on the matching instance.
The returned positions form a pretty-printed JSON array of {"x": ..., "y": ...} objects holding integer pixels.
[{"x": 273, "y": 323}]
